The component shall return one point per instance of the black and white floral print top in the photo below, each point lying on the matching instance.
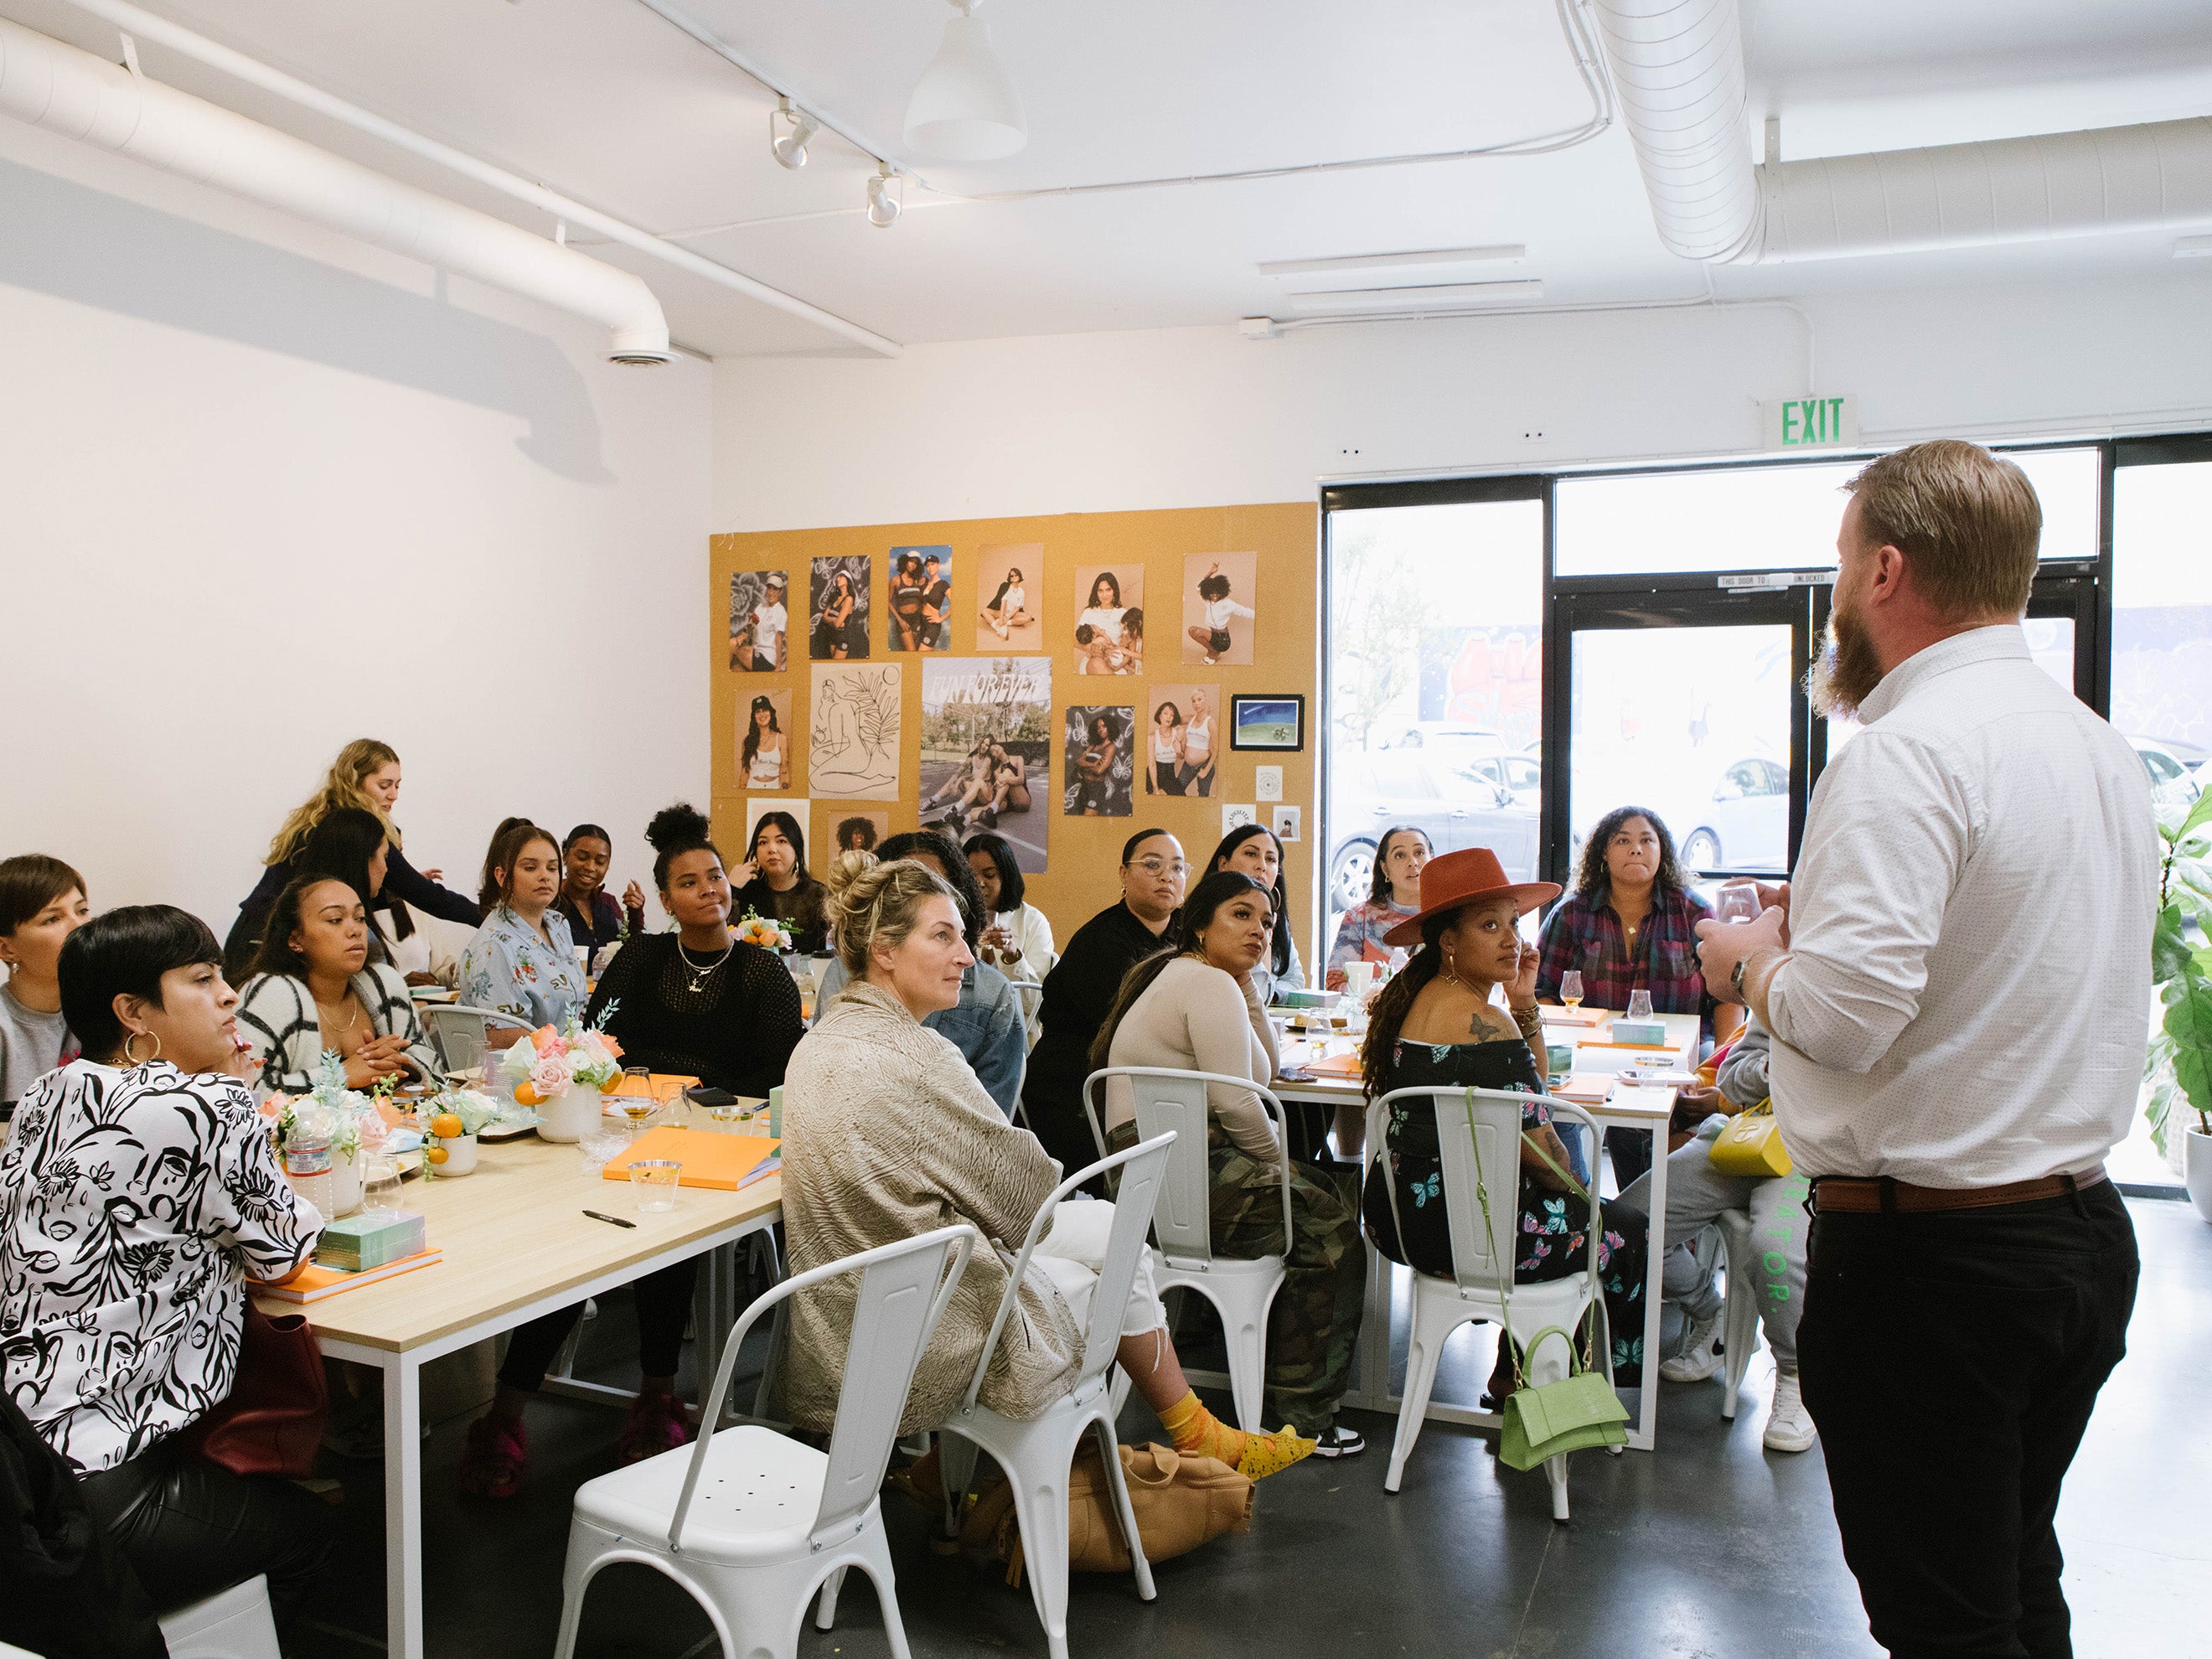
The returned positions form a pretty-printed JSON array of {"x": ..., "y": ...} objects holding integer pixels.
[{"x": 133, "y": 1206}]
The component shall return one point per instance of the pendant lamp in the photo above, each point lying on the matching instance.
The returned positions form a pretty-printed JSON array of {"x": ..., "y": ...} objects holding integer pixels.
[{"x": 965, "y": 108}]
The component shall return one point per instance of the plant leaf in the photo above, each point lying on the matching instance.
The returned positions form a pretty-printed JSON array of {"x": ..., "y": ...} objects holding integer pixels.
[
  {"x": 2170, "y": 955},
  {"x": 2189, "y": 1023}
]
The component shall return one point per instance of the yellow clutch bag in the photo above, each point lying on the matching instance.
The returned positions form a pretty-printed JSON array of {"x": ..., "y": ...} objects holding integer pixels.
[{"x": 1752, "y": 1144}]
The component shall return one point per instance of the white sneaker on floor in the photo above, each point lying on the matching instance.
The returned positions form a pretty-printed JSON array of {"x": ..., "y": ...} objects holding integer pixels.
[
  {"x": 1788, "y": 1425},
  {"x": 1698, "y": 1358}
]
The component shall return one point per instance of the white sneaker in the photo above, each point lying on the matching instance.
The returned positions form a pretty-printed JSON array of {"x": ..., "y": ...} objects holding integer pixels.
[
  {"x": 1788, "y": 1425},
  {"x": 1697, "y": 1360}
]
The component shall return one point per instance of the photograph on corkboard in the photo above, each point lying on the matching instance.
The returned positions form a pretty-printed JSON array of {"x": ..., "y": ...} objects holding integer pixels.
[
  {"x": 853, "y": 745},
  {"x": 1178, "y": 757},
  {"x": 759, "y": 621},
  {"x": 837, "y": 607},
  {"x": 1109, "y": 618},
  {"x": 839, "y": 828},
  {"x": 1101, "y": 761},
  {"x": 1219, "y": 592},
  {"x": 986, "y": 750},
  {"x": 764, "y": 740},
  {"x": 1010, "y": 581},
  {"x": 921, "y": 599}
]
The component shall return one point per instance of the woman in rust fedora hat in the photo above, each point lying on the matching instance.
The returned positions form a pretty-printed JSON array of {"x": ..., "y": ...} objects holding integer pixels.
[{"x": 1434, "y": 1026}]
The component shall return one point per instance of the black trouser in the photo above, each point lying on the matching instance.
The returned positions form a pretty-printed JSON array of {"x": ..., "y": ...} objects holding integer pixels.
[
  {"x": 663, "y": 1303},
  {"x": 1629, "y": 1152},
  {"x": 1951, "y": 1362},
  {"x": 190, "y": 1529}
]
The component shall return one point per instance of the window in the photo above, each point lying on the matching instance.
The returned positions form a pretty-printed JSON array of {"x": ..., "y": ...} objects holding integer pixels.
[{"x": 2163, "y": 619}]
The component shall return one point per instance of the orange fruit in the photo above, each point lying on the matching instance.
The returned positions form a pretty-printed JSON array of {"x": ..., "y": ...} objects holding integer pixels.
[
  {"x": 525, "y": 1095},
  {"x": 611, "y": 1084},
  {"x": 434, "y": 1154},
  {"x": 446, "y": 1125}
]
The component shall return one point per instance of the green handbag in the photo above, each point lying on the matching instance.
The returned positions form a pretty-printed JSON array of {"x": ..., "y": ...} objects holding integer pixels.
[{"x": 1581, "y": 1410}]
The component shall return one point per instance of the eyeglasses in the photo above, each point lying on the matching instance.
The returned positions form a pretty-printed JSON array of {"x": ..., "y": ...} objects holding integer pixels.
[{"x": 1159, "y": 866}]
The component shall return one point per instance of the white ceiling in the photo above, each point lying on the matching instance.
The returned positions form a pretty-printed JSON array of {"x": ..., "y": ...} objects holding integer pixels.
[{"x": 608, "y": 102}]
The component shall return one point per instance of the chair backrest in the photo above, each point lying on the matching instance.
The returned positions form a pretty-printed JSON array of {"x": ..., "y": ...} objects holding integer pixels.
[
  {"x": 1171, "y": 1102},
  {"x": 1142, "y": 1168},
  {"x": 457, "y": 1031},
  {"x": 903, "y": 1290},
  {"x": 1484, "y": 1122}
]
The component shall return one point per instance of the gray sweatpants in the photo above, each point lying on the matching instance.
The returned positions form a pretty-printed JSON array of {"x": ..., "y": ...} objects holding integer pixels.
[{"x": 1697, "y": 1193}]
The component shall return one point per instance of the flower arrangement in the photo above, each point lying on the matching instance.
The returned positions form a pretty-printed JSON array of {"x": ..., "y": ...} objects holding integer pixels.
[
  {"x": 455, "y": 1114},
  {"x": 766, "y": 932},
  {"x": 346, "y": 1106},
  {"x": 547, "y": 1061}
]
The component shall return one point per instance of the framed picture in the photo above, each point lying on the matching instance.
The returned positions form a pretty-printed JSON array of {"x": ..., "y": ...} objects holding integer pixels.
[{"x": 1268, "y": 722}]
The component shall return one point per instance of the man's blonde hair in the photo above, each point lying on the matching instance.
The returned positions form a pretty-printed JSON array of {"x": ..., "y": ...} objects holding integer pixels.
[{"x": 1967, "y": 520}]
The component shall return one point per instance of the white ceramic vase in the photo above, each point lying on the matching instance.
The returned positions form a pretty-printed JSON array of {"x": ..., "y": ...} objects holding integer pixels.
[
  {"x": 461, "y": 1156},
  {"x": 345, "y": 1182},
  {"x": 569, "y": 1114},
  {"x": 2196, "y": 1165}
]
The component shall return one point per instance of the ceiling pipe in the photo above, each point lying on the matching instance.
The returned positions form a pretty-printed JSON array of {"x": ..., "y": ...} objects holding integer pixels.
[
  {"x": 1679, "y": 68},
  {"x": 148, "y": 26},
  {"x": 60, "y": 90}
]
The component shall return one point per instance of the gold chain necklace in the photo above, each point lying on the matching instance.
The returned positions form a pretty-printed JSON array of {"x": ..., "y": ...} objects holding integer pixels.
[{"x": 322, "y": 1007}]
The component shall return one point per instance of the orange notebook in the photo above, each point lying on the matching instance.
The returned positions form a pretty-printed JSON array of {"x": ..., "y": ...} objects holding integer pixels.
[
  {"x": 1344, "y": 1065},
  {"x": 725, "y": 1162},
  {"x": 317, "y": 1283}
]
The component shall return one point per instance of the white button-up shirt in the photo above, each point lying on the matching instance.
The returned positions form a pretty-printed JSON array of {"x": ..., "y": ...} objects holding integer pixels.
[{"x": 1970, "y": 921}]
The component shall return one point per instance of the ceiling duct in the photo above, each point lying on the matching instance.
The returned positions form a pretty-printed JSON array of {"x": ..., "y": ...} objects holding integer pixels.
[
  {"x": 1678, "y": 66},
  {"x": 59, "y": 90}
]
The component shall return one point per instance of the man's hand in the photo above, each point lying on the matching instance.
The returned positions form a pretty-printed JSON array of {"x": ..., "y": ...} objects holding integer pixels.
[{"x": 1721, "y": 945}]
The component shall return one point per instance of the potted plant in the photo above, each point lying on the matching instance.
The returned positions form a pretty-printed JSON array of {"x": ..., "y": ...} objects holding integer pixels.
[
  {"x": 767, "y": 932},
  {"x": 2177, "y": 1065},
  {"x": 563, "y": 1073}
]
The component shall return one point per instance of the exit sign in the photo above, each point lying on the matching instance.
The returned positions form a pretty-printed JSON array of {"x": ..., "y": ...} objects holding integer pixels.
[{"x": 1811, "y": 422}]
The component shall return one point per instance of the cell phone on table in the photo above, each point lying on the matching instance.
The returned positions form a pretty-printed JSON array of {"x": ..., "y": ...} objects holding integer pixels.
[{"x": 711, "y": 1098}]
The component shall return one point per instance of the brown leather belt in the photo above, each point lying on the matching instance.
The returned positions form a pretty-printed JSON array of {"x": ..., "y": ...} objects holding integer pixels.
[{"x": 1859, "y": 1196}]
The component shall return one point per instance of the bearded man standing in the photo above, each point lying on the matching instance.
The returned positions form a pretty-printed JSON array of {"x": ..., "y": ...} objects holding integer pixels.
[{"x": 1958, "y": 992}]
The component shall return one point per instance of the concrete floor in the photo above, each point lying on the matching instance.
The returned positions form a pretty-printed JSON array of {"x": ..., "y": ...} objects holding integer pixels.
[{"x": 1708, "y": 1549}]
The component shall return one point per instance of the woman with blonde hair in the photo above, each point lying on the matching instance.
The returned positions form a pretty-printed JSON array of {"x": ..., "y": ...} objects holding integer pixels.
[{"x": 888, "y": 1134}]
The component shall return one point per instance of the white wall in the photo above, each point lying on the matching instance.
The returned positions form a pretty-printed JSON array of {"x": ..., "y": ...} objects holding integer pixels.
[
  {"x": 263, "y": 490},
  {"x": 1197, "y": 417}
]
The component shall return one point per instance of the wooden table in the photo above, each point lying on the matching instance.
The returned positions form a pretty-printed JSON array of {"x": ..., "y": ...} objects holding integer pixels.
[
  {"x": 517, "y": 1244},
  {"x": 1370, "y": 1388}
]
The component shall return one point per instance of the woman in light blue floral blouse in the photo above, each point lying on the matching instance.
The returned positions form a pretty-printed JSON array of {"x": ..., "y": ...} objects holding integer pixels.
[{"x": 522, "y": 961}]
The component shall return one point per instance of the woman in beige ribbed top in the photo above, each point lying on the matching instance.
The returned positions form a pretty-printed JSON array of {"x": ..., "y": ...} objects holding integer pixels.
[{"x": 1196, "y": 1017}]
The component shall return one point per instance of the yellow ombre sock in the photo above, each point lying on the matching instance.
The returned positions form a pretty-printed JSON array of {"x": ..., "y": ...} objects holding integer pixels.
[{"x": 1199, "y": 1432}]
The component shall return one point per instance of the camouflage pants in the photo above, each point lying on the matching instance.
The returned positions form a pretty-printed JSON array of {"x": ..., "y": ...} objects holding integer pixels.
[{"x": 1315, "y": 1323}]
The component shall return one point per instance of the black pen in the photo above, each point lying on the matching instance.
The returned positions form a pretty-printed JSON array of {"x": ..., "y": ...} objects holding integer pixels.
[{"x": 611, "y": 1221}]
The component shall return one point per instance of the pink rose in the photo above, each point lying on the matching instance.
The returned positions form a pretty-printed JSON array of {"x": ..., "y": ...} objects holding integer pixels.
[{"x": 549, "y": 1077}]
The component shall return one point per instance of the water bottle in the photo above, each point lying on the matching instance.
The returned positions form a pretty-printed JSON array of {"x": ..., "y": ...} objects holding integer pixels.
[{"x": 308, "y": 1154}]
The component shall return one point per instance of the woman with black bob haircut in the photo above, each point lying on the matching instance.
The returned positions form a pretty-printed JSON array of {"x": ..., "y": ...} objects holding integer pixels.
[
  {"x": 1195, "y": 1007},
  {"x": 697, "y": 1003},
  {"x": 139, "y": 1193},
  {"x": 1254, "y": 849},
  {"x": 350, "y": 842},
  {"x": 1017, "y": 936},
  {"x": 773, "y": 881}
]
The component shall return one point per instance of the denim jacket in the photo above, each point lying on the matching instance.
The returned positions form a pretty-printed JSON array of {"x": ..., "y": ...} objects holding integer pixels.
[{"x": 985, "y": 1026}]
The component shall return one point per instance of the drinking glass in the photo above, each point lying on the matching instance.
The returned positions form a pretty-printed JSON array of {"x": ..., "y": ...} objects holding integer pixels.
[
  {"x": 379, "y": 1181},
  {"x": 1739, "y": 902},
  {"x": 597, "y": 1145},
  {"x": 637, "y": 1099},
  {"x": 653, "y": 1180},
  {"x": 1571, "y": 988},
  {"x": 1639, "y": 1004}
]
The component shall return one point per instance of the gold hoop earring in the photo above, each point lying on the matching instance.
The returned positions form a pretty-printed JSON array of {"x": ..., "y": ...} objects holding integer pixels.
[{"x": 132, "y": 1060}]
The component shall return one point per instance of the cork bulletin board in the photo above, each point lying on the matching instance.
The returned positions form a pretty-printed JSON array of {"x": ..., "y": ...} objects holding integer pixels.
[{"x": 847, "y": 686}]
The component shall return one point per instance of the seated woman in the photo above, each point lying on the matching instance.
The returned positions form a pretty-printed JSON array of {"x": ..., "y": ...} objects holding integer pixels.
[
  {"x": 1009, "y": 786},
  {"x": 522, "y": 961},
  {"x": 987, "y": 1024},
  {"x": 1631, "y": 925},
  {"x": 139, "y": 1193},
  {"x": 968, "y": 783},
  {"x": 1017, "y": 936},
  {"x": 1082, "y": 986},
  {"x": 1009, "y": 607},
  {"x": 314, "y": 991},
  {"x": 1394, "y": 897},
  {"x": 697, "y": 1003},
  {"x": 1252, "y": 849},
  {"x": 887, "y": 1134},
  {"x": 595, "y": 919},
  {"x": 773, "y": 882},
  {"x": 42, "y": 903},
  {"x": 1697, "y": 1193},
  {"x": 1434, "y": 1026},
  {"x": 1193, "y": 1007},
  {"x": 366, "y": 777},
  {"x": 350, "y": 842}
]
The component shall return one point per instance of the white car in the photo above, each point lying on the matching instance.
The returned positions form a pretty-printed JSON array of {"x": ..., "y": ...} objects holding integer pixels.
[
  {"x": 1744, "y": 824},
  {"x": 2173, "y": 768}
]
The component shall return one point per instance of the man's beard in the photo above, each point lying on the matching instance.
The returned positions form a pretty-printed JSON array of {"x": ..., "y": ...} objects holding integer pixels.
[{"x": 1844, "y": 674}]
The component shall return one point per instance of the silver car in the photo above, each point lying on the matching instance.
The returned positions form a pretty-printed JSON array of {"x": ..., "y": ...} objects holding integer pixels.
[{"x": 1449, "y": 795}]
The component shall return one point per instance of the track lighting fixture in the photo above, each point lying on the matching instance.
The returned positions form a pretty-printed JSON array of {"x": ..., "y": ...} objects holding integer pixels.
[
  {"x": 789, "y": 147},
  {"x": 883, "y": 204},
  {"x": 965, "y": 108}
]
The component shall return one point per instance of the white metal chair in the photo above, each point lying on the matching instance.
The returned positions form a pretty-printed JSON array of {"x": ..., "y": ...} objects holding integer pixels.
[
  {"x": 235, "y": 1624},
  {"x": 456, "y": 1030},
  {"x": 1480, "y": 1257},
  {"x": 1242, "y": 1292},
  {"x": 751, "y": 1523},
  {"x": 1036, "y": 1454},
  {"x": 1739, "y": 1317}
]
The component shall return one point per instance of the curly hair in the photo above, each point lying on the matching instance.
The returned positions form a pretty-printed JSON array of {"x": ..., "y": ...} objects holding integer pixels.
[{"x": 1593, "y": 881}]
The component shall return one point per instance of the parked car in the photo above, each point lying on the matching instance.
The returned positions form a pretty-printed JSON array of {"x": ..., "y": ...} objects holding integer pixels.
[
  {"x": 1438, "y": 791},
  {"x": 2173, "y": 767},
  {"x": 1743, "y": 824},
  {"x": 1520, "y": 776},
  {"x": 1447, "y": 735}
]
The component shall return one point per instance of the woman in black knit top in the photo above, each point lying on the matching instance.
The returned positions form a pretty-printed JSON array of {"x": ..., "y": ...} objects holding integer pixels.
[{"x": 697, "y": 1003}]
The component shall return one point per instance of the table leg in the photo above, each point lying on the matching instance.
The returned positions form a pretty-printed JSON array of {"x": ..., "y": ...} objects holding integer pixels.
[
  {"x": 1645, "y": 1436},
  {"x": 402, "y": 1508}
]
